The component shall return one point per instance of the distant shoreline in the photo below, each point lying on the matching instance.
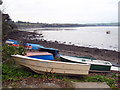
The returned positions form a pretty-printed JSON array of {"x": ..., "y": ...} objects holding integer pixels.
[
  {"x": 21, "y": 24},
  {"x": 20, "y": 28}
]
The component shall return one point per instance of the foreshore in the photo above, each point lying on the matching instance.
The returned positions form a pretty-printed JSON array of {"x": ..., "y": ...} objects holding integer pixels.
[
  {"x": 40, "y": 81},
  {"x": 72, "y": 50}
]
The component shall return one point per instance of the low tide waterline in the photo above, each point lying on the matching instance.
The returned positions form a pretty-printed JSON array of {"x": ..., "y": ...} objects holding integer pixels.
[{"x": 93, "y": 37}]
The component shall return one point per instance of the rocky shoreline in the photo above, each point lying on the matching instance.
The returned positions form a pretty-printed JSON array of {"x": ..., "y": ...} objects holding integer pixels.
[{"x": 72, "y": 50}]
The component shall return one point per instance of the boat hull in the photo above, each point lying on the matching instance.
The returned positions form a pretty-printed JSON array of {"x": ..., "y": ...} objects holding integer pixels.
[
  {"x": 100, "y": 68},
  {"x": 39, "y": 65},
  {"x": 93, "y": 67}
]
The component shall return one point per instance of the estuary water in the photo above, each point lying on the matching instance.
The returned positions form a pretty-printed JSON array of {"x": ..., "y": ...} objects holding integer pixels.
[{"x": 93, "y": 37}]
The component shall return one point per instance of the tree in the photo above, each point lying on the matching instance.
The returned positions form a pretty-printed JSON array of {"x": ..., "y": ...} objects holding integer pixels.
[
  {"x": 1, "y": 2},
  {"x": 7, "y": 25}
]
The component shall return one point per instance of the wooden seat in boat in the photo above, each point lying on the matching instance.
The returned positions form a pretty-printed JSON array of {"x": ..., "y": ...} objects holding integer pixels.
[{"x": 37, "y": 53}]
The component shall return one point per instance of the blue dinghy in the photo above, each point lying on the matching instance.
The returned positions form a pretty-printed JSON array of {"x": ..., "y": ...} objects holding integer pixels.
[{"x": 33, "y": 46}]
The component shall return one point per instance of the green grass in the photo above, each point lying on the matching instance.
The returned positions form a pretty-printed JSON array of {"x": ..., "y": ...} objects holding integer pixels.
[
  {"x": 100, "y": 78},
  {"x": 0, "y": 47},
  {"x": 7, "y": 51},
  {"x": 14, "y": 72},
  {"x": 11, "y": 71}
]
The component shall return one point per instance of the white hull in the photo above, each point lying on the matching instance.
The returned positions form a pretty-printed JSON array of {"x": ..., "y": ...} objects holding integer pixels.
[
  {"x": 96, "y": 65},
  {"x": 113, "y": 68},
  {"x": 39, "y": 65},
  {"x": 88, "y": 61}
]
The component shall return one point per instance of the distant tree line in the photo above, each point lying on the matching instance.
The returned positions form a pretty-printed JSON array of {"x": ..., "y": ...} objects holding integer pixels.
[{"x": 22, "y": 24}]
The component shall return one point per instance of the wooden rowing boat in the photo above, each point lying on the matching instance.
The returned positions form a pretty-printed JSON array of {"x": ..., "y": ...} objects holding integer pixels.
[{"x": 96, "y": 65}]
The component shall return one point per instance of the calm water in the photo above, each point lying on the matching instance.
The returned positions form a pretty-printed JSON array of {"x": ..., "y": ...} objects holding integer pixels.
[{"x": 94, "y": 37}]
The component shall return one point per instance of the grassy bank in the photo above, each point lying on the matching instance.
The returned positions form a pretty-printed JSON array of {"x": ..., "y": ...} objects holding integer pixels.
[{"x": 13, "y": 73}]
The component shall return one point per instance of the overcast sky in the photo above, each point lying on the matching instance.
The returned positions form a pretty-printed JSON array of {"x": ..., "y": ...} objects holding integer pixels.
[{"x": 62, "y": 11}]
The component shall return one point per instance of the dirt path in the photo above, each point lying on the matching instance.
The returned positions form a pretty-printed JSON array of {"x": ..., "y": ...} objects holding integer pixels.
[
  {"x": 52, "y": 83},
  {"x": 90, "y": 85},
  {"x": 37, "y": 83}
]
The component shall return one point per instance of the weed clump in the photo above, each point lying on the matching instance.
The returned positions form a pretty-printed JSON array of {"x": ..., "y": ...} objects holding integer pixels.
[{"x": 7, "y": 51}]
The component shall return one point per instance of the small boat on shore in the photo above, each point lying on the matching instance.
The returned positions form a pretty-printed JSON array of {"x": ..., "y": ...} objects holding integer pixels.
[
  {"x": 23, "y": 44},
  {"x": 48, "y": 64},
  {"x": 107, "y": 32},
  {"x": 96, "y": 65},
  {"x": 13, "y": 42},
  {"x": 114, "y": 68},
  {"x": 33, "y": 46}
]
